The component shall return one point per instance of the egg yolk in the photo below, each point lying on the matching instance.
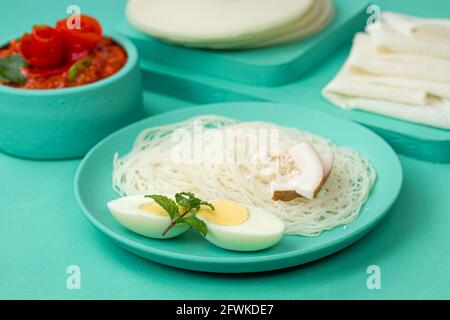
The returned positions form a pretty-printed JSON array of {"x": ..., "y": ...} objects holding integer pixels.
[
  {"x": 153, "y": 208},
  {"x": 225, "y": 213}
]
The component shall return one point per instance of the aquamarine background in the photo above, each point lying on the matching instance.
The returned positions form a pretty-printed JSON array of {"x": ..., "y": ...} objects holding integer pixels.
[{"x": 42, "y": 231}]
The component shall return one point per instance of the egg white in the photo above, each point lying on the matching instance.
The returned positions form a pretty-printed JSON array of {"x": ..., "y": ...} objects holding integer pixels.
[{"x": 127, "y": 211}]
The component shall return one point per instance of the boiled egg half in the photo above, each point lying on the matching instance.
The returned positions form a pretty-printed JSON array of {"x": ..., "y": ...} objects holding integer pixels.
[
  {"x": 144, "y": 216},
  {"x": 233, "y": 226}
]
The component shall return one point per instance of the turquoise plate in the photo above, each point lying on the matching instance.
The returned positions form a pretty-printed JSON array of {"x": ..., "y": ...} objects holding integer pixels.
[{"x": 189, "y": 251}]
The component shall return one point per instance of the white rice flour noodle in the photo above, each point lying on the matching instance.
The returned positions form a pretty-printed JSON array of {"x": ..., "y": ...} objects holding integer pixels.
[{"x": 222, "y": 162}]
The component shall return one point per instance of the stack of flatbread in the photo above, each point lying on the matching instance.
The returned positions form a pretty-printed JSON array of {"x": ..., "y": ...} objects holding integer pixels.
[
  {"x": 230, "y": 24},
  {"x": 400, "y": 67}
]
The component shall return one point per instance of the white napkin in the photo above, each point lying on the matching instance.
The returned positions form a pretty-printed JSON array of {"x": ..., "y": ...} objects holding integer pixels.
[
  {"x": 389, "y": 63},
  {"x": 432, "y": 115},
  {"x": 385, "y": 38},
  {"x": 422, "y": 28},
  {"x": 392, "y": 74}
]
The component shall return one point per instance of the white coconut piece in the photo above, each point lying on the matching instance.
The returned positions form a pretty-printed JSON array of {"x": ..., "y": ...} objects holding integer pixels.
[
  {"x": 327, "y": 159},
  {"x": 310, "y": 177}
]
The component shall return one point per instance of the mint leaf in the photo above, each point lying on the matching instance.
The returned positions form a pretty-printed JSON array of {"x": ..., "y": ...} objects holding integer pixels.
[
  {"x": 184, "y": 199},
  {"x": 196, "y": 224},
  {"x": 189, "y": 201},
  {"x": 167, "y": 204},
  {"x": 205, "y": 203},
  {"x": 10, "y": 69},
  {"x": 77, "y": 68}
]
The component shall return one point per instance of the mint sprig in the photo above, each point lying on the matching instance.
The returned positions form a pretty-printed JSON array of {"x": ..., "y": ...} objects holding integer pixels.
[
  {"x": 185, "y": 203},
  {"x": 10, "y": 69},
  {"x": 188, "y": 200}
]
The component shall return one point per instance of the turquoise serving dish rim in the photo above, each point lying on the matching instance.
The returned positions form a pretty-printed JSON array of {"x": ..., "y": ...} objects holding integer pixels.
[
  {"x": 244, "y": 263},
  {"x": 132, "y": 57}
]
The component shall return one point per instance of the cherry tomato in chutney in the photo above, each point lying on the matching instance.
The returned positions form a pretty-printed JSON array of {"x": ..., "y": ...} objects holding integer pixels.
[
  {"x": 62, "y": 57},
  {"x": 106, "y": 59}
]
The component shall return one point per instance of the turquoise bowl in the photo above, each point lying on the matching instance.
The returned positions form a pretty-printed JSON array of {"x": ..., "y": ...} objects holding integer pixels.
[{"x": 66, "y": 123}]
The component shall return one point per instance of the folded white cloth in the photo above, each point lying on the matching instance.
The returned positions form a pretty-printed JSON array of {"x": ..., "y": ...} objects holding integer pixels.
[
  {"x": 422, "y": 28},
  {"x": 432, "y": 115},
  {"x": 389, "y": 63},
  {"x": 392, "y": 74},
  {"x": 385, "y": 39}
]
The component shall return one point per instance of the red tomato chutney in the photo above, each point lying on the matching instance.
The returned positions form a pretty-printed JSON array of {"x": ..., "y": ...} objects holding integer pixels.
[{"x": 107, "y": 58}]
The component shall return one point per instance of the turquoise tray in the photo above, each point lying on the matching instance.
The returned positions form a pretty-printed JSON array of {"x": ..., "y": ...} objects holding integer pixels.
[
  {"x": 93, "y": 189},
  {"x": 417, "y": 141},
  {"x": 208, "y": 77},
  {"x": 261, "y": 67}
]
